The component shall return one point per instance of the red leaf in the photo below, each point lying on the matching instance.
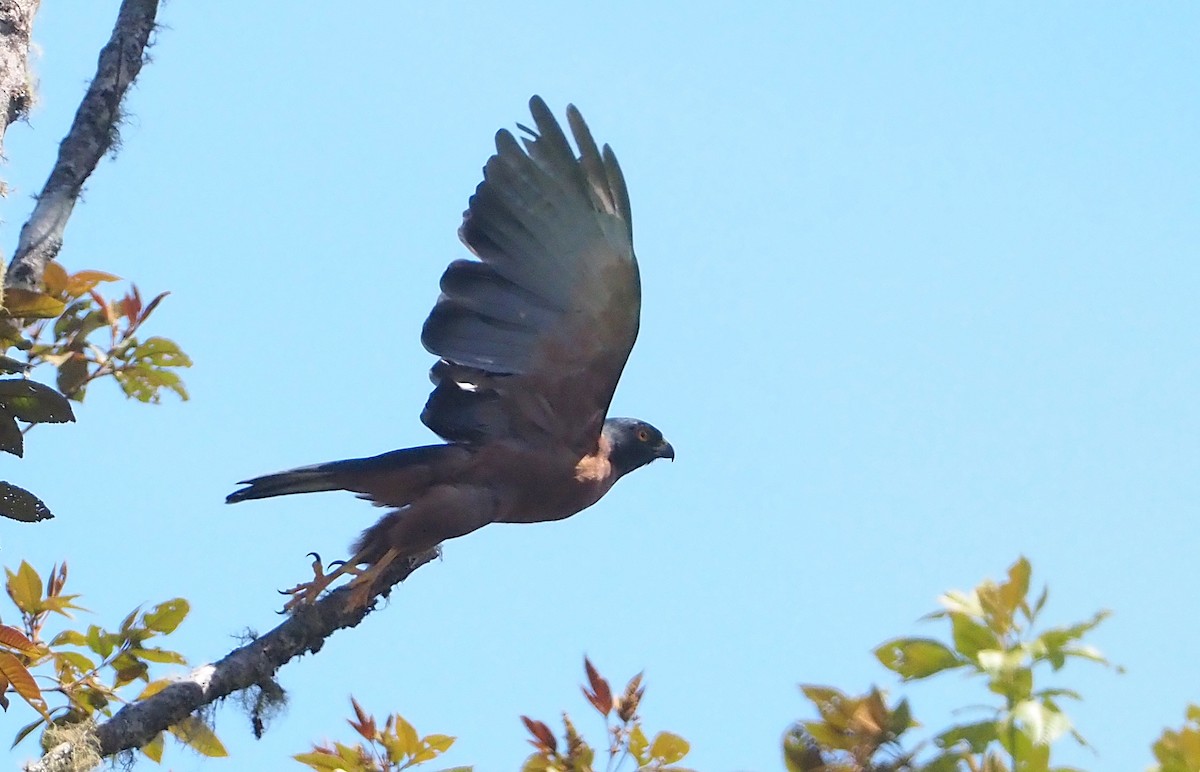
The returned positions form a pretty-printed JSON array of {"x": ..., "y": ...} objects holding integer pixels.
[
  {"x": 365, "y": 725},
  {"x": 15, "y": 639},
  {"x": 133, "y": 304},
  {"x": 601, "y": 695},
  {"x": 105, "y": 307},
  {"x": 22, "y": 682},
  {"x": 545, "y": 740}
]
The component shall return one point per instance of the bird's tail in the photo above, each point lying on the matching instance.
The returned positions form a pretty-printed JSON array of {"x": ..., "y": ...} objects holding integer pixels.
[
  {"x": 305, "y": 479},
  {"x": 400, "y": 475}
]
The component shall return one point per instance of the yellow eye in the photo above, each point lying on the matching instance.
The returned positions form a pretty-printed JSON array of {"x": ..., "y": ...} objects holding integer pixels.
[{"x": 643, "y": 435}]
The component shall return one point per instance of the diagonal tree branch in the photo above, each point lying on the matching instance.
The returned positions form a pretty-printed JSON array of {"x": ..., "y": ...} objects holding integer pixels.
[
  {"x": 255, "y": 663},
  {"x": 16, "y": 89},
  {"x": 91, "y": 136}
]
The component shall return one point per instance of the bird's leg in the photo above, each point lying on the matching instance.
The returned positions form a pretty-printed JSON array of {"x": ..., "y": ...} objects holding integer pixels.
[
  {"x": 307, "y": 592},
  {"x": 362, "y": 588}
]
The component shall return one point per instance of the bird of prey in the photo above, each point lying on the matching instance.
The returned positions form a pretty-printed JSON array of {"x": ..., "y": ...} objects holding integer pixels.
[{"x": 531, "y": 339}]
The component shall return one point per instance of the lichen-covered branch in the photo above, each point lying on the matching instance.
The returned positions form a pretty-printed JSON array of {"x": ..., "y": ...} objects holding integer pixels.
[
  {"x": 91, "y": 136},
  {"x": 16, "y": 90},
  {"x": 247, "y": 666}
]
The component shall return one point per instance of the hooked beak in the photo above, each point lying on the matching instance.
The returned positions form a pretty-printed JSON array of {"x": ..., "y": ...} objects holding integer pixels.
[{"x": 664, "y": 450}]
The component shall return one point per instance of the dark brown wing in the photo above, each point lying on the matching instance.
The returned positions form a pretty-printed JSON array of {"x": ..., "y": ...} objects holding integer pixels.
[{"x": 533, "y": 337}]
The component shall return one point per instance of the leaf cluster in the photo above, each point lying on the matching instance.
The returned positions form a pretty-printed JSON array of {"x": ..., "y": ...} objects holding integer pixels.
[
  {"x": 62, "y": 327},
  {"x": 627, "y": 740},
  {"x": 92, "y": 337},
  {"x": 1178, "y": 750},
  {"x": 992, "y": 636},
  {"x": 388, "y": 748},
  {"x": 90, "y": 669},
  {"x": 851, "y": 733}
]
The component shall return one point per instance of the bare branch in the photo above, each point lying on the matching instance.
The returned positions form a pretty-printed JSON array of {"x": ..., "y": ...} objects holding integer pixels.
[
  {"x": 255, "y": 663},
  {"x": 16, "y": 90},
  {"x": 91, "y": 136}
]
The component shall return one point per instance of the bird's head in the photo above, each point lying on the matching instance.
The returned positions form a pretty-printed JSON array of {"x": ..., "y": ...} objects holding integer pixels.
[{"x": 633, "y": 444}]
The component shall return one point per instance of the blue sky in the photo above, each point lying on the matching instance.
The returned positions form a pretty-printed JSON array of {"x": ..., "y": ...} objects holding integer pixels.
[{"x": 920, "y": 296}]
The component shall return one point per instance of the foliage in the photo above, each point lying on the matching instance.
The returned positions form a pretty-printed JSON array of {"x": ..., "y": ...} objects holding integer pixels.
[
  {"x": 398, "y": 746},
  {"x": 393, "y": 747},
  {"x": 142, "y": 367},
  {"x": 849, "y": 734},
  {"x": 992, "y": 637},
  {"x": 57, "y": 327},
  {"x": 1178, "y": 750},
  {"x": 627, "y": 738},
  {"x": 92, "y": 669}
]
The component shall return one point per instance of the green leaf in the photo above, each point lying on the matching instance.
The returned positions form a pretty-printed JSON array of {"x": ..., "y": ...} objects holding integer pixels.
[
  {"x": 60, "y": 604},
  {"x": 439, "y": 742},
  {"x": 914, "y": 658},
  {"x": 1013, "y": 684},
  {"x": 409, "y": 743},
  {"x": 72, "y": 377},
  {"x": 153, "y": 688},
  {"x": 129, "y": 669},
  {"x": 11, "y": 439},
  {"x": 154, "y": 748},
  {"x": 162, "y": 352},
  {"x": 159, "y": 655},
  {"x": 975, "y": 736},
  {"x": 669, "y": 748},
  {"x": 79, "y": 662},
  {"x": 970, "y": 637},
  {"x": 144, "y": 382},
  {"x": 198, "y": 736},
  {"x": 537, "y": 763},
  {"x": 639, "y": 745},
  {"x": 321, "y": 761},
  {"x": 25, "y": 587},
  {"x": 19, "y": 504},
  {"x": 1017, "y": 587},
  {"x": 71, "y": 637},
  {"x": 900, "y": 720},
  {"x": 1039, "y": 604},
  {"x": 1052, "y": 644},
  {"x": 165, "y": 617},
  {"x": 26, "y": 304},
  {"x": 34, "y": 402},
  {"x": 99, "y": 641}
]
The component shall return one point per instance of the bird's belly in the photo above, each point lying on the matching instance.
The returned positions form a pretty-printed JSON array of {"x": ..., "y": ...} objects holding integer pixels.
[
  {"x": 554, "y": 501},
  {"x": 533, "y": 486}
]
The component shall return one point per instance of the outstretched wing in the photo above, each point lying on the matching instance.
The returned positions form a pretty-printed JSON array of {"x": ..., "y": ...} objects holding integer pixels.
[{"x": 533, "y": 336}]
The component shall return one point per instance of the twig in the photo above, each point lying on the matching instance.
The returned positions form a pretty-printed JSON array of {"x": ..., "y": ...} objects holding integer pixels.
[
  {"x": 305, "y": 631},
  {"x": 91, "y": 136}
]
